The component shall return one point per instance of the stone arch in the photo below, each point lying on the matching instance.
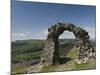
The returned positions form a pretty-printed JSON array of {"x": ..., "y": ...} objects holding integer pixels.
[{"x": 50, "y": 54}]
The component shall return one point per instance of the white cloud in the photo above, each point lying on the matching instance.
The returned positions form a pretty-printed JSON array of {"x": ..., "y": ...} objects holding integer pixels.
[
  {"x": 91, "y": 32},
  {"x": 67, "y": 34},
  {"x": 44, "y": 32},
  {"x": 18, "y": 34},
  {"x": 21, "y": 34},
  {"x": 30, "y": 35}
]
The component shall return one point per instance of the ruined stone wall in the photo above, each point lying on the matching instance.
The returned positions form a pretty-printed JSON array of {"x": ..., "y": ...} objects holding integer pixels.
[{"x": 50, "y": 54}]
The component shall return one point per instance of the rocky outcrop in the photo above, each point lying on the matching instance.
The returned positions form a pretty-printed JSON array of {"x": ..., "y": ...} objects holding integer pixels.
[
  {"x": 85, "y": 50},
  {"x": 34, "y": 69}
]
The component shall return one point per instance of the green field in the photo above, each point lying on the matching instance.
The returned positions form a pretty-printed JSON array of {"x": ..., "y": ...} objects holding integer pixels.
[{"x": 25, "y": 51}]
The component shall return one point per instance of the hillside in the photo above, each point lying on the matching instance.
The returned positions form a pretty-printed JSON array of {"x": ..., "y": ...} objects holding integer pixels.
[{"x": 26, "y": 53}]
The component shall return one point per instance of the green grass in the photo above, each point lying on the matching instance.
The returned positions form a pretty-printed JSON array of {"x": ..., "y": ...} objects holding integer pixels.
[
  {"x": 26, "y": 50},
  {"x": 31, "y": 49},
  {"x": 86, "y": 66},
  {"x": 27, "y": 56},
  {"x": 19, "y": 69},
  {"x": 71, "y": 65},
  {"x": 49, "y": 68}
]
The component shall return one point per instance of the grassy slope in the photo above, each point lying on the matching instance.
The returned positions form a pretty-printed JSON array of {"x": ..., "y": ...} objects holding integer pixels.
[
  {"x": 19, "y": 69},
  {"x": 30, "y": 49},
  {"x": 71, "y": 65},
  {"x": 25, "y": 50}
]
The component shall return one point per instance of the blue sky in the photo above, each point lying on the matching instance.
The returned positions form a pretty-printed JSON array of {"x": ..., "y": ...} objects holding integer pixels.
[{"x": 30, "y": 20}]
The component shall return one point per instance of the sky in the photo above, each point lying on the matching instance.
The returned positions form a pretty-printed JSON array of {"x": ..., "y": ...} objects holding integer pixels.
[{"x": 30, "y": 20}]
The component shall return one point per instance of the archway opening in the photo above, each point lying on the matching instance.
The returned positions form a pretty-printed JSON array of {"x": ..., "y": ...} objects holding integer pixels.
[{"x": 66, "y": 44}]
